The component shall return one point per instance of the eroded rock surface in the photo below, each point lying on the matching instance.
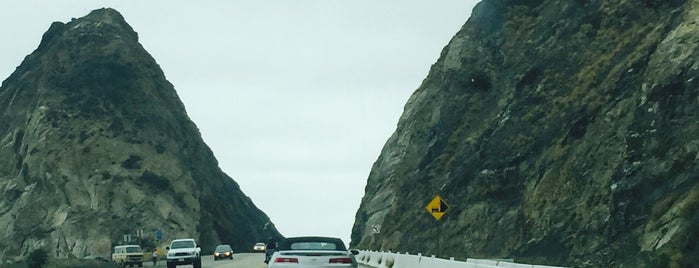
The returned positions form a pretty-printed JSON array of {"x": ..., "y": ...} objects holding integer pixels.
[
  {"x": 559, "y": 132},
  {"x": 95, "y": 144}
]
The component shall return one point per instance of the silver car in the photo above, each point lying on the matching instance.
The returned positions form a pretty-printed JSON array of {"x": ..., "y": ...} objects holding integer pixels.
[{"x": 313, "y": 252}]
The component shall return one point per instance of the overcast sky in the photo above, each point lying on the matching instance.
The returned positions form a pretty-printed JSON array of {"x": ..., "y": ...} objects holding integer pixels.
[{"x": 295, "y": 98}]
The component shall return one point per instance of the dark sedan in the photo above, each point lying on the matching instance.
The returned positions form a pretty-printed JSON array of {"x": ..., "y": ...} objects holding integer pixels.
[{"x": 223, "y": 252}]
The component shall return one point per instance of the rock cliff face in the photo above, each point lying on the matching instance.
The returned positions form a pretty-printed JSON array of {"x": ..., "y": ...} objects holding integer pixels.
[
  {"x": 95, "y": 144},
  {"x": 558, "y": 132}
]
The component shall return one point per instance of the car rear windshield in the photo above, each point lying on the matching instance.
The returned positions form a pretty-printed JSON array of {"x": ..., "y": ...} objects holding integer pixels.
[
  {"x": 313, "y": 246},
  {"x": 312, "y": 243}
]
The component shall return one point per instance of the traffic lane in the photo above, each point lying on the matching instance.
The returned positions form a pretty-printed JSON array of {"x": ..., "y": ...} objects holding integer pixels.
[
  {"x": 243, "y": 260},
  {"x": 240, "y": 260}
]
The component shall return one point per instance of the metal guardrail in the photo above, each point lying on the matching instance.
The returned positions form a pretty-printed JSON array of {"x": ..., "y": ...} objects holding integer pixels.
[{"x": 397, "y": 260}]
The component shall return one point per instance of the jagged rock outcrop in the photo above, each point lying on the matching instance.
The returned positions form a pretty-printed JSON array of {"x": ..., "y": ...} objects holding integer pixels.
[
  {"x": 559, "y": 132},
  {"x": 95, "y": 143}
]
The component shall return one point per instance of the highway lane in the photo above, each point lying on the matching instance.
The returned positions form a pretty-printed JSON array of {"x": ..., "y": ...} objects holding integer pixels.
[{"x": 240, "y": 260}]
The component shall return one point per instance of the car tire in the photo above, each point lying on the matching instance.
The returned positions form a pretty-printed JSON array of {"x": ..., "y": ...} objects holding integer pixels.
[
  {"x": 197, "y": 263},
  {"x": 170, "y": 265}
]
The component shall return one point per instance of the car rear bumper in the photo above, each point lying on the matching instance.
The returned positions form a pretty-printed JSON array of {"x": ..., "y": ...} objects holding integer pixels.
[{"x": 223, "y": 256}]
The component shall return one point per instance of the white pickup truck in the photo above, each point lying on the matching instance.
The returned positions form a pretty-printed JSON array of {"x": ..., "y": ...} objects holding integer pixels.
[{"x": 183, "y": 251}]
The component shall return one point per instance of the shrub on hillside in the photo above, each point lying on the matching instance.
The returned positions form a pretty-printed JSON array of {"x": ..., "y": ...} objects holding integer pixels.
[
  {"x": 80, "y": 263},
  {"x": 37, "y": 258}
]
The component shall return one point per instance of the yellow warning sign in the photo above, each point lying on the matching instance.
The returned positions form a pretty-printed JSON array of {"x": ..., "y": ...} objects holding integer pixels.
[{"x": 437, "y": 207}]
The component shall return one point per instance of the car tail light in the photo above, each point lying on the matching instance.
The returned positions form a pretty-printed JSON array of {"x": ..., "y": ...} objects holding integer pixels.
[
  {"x": 340, "y": 260},
  {"x": 286, "y": 260}
]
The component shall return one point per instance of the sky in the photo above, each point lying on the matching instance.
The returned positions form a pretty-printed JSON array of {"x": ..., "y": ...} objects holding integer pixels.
[{"x": 295, "y": 98}]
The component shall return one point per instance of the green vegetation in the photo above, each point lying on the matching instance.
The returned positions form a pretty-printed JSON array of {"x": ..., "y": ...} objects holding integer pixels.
[
  {"x": 64, "y": 263},
  {"x": 13, "y": 265},
  {"x": 37, "y": 258},
  {"x": 156, "y": 182},
  {"x": 80, "y": 263}
]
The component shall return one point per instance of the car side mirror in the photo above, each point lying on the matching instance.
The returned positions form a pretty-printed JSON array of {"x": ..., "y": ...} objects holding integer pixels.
[{"x": 354, "y": 251}]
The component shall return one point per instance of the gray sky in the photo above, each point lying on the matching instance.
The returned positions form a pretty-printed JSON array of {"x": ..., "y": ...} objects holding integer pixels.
[{"x": 295, "y": 98}]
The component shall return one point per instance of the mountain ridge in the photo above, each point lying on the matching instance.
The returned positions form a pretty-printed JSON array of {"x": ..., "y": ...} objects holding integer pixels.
[
  {"x": 96, "y": 135},
  {"x": 559, "y": 133}
]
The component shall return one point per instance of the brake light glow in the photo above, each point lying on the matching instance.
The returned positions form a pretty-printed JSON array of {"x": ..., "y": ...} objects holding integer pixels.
[
  {"x": 340, "y": 260},
  {"x": 286, "y": 260}
]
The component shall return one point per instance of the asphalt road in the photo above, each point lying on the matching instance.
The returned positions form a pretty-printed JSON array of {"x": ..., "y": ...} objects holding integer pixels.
[{"x": 240, "y": 260}]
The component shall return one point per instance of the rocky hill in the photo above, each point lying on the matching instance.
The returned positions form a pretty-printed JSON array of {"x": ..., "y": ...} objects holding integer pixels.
[
  {"x": 558, "y": 132},
  {"x": 95, "y": 144}
]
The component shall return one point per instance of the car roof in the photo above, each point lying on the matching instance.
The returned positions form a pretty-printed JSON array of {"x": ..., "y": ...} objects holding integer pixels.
[
  {"x": 184, "y": 240},
  {"x": 127, "y": 246}
]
